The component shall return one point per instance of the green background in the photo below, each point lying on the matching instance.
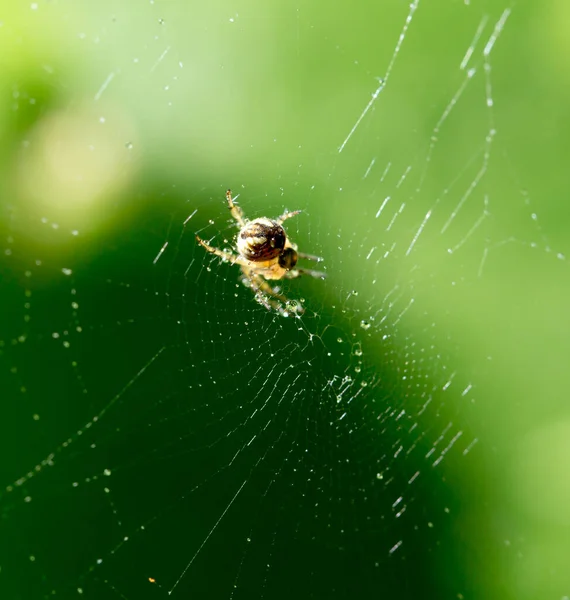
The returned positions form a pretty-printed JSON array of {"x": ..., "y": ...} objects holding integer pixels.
[{"x": 118, "y": 121}]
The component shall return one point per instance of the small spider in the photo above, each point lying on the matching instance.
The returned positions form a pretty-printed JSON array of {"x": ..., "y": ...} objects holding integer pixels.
[{"x": 265, "y": 253}]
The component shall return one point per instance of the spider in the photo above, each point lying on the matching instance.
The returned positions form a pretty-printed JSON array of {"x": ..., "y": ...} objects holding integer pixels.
[{"x": 265, "y": 253}]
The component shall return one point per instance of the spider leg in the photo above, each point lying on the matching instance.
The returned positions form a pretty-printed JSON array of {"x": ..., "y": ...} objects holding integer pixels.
[
  {"x": 237, "y": 212},
  {"x": 310, "y": 257},
  {"x": 287, "y": 215},
  {"x": 265, "y": 293},
  {"x": 268, "y": 297},
  {"x": 297, "y": 272},
  {"x": 234, "y": 259}
]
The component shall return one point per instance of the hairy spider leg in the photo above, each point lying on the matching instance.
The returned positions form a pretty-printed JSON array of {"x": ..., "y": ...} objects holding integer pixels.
[
  {"x": 260, "y": 286},
  {"x": 287, "y": 215},
  {"x": 310, "y": 257},
  {"x": 266, "y": 295},
  {"x": 234, "y": 259},
  {"x": 296, "y": 272},
  {"x": 237, "y": 212}
]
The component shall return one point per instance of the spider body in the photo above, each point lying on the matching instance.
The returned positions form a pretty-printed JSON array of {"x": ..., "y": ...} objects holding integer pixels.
[
  {"x": 261, "y": 240},
  {"x": 265, "y": 253}
]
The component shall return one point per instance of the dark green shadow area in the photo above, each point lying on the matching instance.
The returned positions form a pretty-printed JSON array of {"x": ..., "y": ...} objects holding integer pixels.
[{"x": 162, "y": 433}]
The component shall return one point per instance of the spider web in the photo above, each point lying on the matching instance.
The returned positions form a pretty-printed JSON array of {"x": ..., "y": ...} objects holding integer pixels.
[{"x": 164, "y": 434}]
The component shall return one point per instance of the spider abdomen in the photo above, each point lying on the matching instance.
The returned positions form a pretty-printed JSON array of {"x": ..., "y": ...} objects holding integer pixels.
[{"x": 261, "y": 239}]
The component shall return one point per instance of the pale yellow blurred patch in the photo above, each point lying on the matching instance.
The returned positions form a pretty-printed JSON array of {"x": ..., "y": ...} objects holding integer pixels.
[
  {"x": 541, "y": 497},
  {"x": 556, "y": 50},
  {"x": 76, "y": 161},
  {"x": 541, "y": 468}
]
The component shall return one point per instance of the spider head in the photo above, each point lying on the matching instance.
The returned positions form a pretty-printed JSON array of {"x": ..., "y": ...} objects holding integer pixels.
[
  {"x": 261, "y": 239},
  {"x": 288, "y": 258}
]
